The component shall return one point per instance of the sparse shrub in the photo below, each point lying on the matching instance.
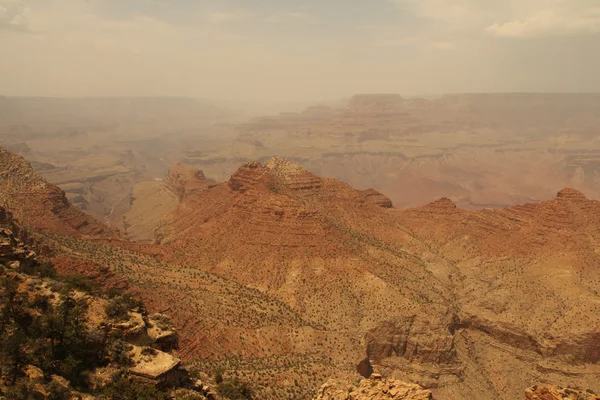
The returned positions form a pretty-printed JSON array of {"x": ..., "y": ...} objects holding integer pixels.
[
  {"x": 219, "y": 376},
  {"x": 81, "y": 283},
  {"x": 120, "y": 352},
  {"x": 123, "y": 388},
  {"x": 23, "y": 390},
  {"x": 43, "y": 269},
  {"x": 235, "y": 389},
  {"x": 118, "y": 307},
  {"x": 149, "y": 351},
  {"x": 58, "y": 392}
]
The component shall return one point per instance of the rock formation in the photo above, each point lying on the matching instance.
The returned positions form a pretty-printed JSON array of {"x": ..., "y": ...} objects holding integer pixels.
[
  {"x": 185, "y": 181},
  {"x": 460, "y": 282},
  {"x": 558, "y": 393},
  {"x": 40, "y": 205},
  {"x": 13, "y": 252},
  {"x": 374, "y": 388}
]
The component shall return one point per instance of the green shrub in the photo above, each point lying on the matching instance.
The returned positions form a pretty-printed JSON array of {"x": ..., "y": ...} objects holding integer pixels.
[
  {"x": 58, "y": 392},
  {"x": 235, "y": 389},
  {"x": 23, "y": 390},
  {"x": 124, "y": 388},
  {"x": 118, "y": 307},
  {"x": 120, "y": 352},
  {"x": 81, "y": 283},
  {"x": 44, "y": 269}
]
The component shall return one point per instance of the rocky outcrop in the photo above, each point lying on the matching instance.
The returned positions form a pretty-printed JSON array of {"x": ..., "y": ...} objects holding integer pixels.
[
  {"x": 414, "y": 338},
  {"x": 184, "y": 181},
  {"x": 374, "y": 388},
  {"x": 161, "y": 332},
  {"x": 13, "y": 252},
  {"x": 416, "y": 348},
  {"x": 161, "y": 368},
  {"x": 558, "y": 393},
  {"x": 155, "y": 330},
  {"x": 132, "y": 327}
]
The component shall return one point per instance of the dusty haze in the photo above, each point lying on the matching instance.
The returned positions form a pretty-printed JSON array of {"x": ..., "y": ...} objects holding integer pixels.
[
  {"x": 311, "y": 190},
  {"x": 266, "y": 50}
]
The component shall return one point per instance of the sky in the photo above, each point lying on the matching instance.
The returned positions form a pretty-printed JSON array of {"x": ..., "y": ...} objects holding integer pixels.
[{"x": 296, "y": 50}]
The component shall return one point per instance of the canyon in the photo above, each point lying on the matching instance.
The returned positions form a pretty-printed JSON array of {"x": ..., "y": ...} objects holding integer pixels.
[
  {"x": 479, "y": 150},
  {"x": 289, "y": 280}
]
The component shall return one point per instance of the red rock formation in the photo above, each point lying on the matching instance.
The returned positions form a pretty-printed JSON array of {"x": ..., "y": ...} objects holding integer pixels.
[
  {"x": 571, "y": 194},
  {"x": 40, "y": 205}
]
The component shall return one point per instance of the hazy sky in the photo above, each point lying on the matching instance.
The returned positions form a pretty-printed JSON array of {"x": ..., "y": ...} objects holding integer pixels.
[{"x": 297, "y": 50}]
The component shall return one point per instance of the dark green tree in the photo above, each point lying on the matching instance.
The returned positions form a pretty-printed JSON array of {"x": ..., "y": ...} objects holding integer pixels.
[{"x": 13, "y": 354}]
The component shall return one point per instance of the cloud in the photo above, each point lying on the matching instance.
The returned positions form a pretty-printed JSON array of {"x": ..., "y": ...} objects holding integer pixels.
[
  {"x": 269, "y": 51},
  {"x": 12, "y": 15},
  {"x": 563, "y": 18},
  {"x": 507, "y": 18}
]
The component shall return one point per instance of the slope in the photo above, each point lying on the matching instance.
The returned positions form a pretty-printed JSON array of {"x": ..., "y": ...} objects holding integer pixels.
[
  {"x": 40, "y": 205},
  {"x": 470, "y": 304}
]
